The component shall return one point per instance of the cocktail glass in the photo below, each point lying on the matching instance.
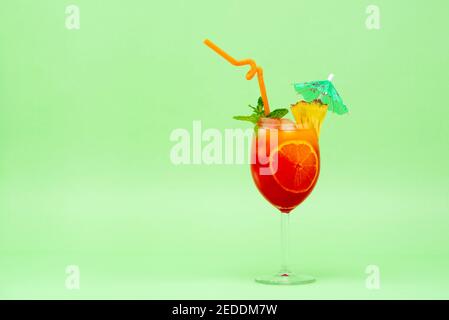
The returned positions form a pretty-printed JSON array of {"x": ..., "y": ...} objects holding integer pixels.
[
  {"x": 285, "y": 155},
  {"x": 285, "y": 165}
]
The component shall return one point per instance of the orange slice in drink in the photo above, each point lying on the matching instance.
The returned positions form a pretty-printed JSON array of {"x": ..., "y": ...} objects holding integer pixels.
[{"x": 294, "y": 165}]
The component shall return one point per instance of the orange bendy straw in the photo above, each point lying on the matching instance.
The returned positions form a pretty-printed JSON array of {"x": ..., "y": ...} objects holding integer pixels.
[{"x": 254, "y": 69}]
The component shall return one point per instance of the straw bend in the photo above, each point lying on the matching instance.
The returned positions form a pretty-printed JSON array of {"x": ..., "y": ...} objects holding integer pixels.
[{"x": 254, "y": 69}]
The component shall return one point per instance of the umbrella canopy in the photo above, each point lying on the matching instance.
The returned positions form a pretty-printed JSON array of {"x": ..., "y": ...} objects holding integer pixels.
[{"x": 323, "y": 90}]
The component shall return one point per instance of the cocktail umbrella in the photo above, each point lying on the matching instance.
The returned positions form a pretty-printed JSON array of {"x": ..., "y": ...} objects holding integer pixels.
[{"x": 323, "y": 90}]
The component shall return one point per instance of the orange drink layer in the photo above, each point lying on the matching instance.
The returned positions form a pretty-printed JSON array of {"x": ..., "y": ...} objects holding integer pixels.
[{"x": 285, "y": 162}]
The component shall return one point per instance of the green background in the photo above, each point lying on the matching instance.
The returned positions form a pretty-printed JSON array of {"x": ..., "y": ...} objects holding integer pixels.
[{"x": 86, "y": 178}]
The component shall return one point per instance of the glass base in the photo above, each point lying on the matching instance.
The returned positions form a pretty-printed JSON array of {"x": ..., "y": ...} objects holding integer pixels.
[{"x": 285, "y": 279}]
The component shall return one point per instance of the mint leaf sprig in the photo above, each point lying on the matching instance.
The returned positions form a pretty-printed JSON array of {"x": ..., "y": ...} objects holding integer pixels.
[{"x": 259, "y": 112}]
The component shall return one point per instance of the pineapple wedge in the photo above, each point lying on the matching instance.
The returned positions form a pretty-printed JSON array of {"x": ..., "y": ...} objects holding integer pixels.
[{"x": 309, "y": 114}]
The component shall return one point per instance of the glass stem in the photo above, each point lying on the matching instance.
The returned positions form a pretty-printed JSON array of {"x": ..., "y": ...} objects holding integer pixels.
[{"x": 284, "y": 242}]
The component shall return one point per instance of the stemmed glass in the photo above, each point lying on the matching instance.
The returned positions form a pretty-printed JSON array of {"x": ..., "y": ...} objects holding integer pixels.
[
  {"x": 285, "y": 165},
  {"x": 285, "y": 161}
]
